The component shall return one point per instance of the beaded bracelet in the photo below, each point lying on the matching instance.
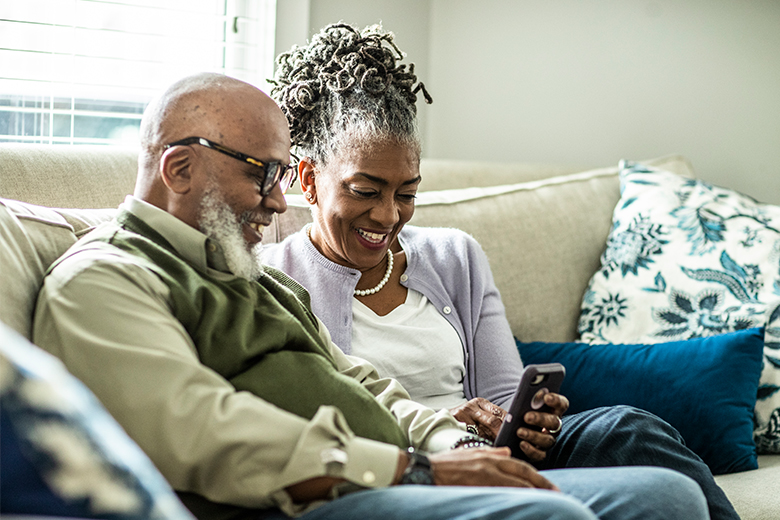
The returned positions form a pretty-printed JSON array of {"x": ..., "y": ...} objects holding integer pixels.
[{"x": 471, "y": 442}]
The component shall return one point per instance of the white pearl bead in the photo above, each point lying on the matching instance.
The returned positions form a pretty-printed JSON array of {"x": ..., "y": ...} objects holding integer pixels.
[{"x": 366, "y": 292}]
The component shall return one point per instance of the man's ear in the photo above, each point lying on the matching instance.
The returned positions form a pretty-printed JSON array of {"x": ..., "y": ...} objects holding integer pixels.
[
  {"x": 306, "y": 175},
  {"x": 176, "y": 169}
]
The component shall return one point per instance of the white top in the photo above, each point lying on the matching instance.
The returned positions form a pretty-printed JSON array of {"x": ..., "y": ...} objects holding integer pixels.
[{"x": 415, "y": 345}]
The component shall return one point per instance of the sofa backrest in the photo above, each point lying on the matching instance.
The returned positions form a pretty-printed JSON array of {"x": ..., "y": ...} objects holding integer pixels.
[
  {"x": 67, "y": 176},
  {"x": 543, "y": 237}
]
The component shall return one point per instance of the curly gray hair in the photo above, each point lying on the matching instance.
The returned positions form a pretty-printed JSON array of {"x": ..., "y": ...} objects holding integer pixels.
[{"x": 346, "y": 90}]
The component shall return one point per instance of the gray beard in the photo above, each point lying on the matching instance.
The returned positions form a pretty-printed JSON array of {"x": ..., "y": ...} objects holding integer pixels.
[{"x": 218, "y": 222}]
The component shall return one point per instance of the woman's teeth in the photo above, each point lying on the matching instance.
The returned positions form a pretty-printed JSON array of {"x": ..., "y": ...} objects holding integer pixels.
[{"x": 371, "y": 237}]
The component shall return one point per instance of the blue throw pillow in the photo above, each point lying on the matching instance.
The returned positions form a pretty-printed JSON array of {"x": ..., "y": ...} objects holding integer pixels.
[{"x": 704, "y": 387}]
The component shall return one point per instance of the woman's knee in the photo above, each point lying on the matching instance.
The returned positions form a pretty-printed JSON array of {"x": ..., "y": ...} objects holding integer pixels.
[{"x": 622, "y": 420}]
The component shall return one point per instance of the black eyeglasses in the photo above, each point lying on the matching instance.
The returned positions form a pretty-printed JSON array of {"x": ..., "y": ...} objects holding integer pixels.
[{"x": 273, "y": 171}]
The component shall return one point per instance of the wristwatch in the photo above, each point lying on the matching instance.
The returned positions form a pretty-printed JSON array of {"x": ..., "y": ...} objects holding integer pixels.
[{"x": 418, "y": 471}]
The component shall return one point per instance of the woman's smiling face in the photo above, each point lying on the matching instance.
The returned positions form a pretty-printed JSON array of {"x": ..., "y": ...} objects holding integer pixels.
[{"x": 362, "y": 201}]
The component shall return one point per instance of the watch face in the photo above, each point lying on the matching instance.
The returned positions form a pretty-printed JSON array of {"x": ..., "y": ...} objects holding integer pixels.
[
  {"x": 418, "y": 475},
  {"x": 418, "y": 471}
]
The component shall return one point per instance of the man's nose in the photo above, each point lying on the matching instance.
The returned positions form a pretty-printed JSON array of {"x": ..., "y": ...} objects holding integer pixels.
[{"x": 275, "y": 200}]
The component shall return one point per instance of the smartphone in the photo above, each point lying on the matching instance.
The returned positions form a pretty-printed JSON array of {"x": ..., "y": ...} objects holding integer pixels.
[{"x": 535, "y": 383}]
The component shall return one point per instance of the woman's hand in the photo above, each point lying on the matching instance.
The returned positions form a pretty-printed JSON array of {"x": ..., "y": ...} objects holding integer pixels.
[
  {"x": 535, "y": 444},
  {"x": 482, "y": 414}
]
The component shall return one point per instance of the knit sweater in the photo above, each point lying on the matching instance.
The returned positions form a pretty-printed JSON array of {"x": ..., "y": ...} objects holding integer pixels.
[{"x": 450, "y": 269}]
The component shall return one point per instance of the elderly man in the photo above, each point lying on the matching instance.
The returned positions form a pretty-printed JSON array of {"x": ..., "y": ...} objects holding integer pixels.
[{"x": 218, "y": 369}]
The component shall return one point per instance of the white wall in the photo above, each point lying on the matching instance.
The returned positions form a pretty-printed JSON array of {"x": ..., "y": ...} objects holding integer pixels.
[
  {"x": 590, "y": 82},
  {"x": 576, "y": 82}
]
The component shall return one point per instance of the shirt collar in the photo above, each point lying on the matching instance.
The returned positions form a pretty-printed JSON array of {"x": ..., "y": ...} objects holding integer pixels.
[{"x": 195, "y": 247}]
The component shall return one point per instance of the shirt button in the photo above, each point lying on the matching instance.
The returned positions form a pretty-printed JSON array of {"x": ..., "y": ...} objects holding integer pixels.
[
  {"x": 404, "y": 277},
  {"x": 212, "y": 247},
  {"x": 369, "y": 477},
  {"x": 446, "y": 310}
]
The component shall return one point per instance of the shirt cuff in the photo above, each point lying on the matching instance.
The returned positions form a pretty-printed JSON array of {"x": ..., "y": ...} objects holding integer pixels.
[
  {"x": 370, "y": 463},
  {"x": 445, "y": 439}
]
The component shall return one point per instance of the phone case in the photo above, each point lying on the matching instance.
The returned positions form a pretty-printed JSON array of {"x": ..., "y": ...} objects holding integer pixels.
[{"x": 536, "y": 381}]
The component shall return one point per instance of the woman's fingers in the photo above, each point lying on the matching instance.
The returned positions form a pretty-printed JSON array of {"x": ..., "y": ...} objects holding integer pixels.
[
  {"x": 557, "y": 402},
  {"x": 483, "y": 414}
]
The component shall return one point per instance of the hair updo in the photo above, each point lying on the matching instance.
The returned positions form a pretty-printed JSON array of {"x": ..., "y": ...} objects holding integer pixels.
[{"x": 346, "y": 90}]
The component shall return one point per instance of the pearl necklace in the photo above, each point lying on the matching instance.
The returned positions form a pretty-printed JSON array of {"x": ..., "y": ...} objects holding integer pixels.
[{"x": 381, "y": 284}]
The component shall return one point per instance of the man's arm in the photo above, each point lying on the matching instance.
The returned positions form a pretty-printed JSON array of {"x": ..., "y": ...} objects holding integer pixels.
[
  {"x": 109, "y": 321},
  {"x": 427, "y": 429}
]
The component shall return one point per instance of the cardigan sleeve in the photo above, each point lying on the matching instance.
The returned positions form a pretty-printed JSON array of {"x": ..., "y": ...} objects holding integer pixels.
[{"x": 496, "y": 366}]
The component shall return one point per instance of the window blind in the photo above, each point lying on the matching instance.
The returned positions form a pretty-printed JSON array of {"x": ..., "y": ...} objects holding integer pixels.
[{"x": 82, "y": 71}]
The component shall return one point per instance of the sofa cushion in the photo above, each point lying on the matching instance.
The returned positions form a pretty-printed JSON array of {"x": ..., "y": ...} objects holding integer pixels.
[
  {"x": 704, "y": 387},
  {"x": 755, "y": 494},
  {"x": 687, "y": 259},
  {"x": 63, "y": 455},
  {"x": 31, "y": 238},
  {"x": 556, "y": 226}
]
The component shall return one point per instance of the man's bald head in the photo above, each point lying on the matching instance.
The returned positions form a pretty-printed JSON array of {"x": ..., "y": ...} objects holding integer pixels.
[
  {"x": 221, "y": 109},
  {"x": 214, "y": 106}
]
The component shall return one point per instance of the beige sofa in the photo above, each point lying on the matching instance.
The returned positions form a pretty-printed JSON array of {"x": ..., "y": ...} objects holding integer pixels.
[{"x": 552, "y": 221}]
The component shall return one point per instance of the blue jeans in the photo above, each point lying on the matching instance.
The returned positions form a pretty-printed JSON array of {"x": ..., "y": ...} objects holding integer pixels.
[
  {"x": 588, "y": 494},
  {"x": 626, "y": 436}
]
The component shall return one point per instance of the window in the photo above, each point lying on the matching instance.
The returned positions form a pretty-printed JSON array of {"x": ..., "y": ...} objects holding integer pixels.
[{"x": 82, "y": 71}]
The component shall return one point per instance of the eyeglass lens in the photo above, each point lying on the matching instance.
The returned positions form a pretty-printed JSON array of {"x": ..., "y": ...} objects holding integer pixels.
[{"x": 277, "y": 173}]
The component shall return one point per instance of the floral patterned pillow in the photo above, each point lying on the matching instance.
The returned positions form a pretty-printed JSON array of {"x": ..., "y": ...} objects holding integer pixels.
[{"x": 686, "y": 259}]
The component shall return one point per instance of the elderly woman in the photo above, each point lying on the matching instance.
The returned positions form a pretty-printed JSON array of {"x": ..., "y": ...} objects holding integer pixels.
[{"x": 420, "y": 303}]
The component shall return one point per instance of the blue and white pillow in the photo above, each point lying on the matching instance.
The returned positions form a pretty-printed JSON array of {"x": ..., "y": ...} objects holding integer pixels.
[
  {"x": 686, "y": 259},
  {"x": 62, "y": 453}
]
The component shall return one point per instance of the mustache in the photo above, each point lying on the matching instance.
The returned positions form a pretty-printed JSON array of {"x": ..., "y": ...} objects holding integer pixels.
[{"x": 264, "y": 218}]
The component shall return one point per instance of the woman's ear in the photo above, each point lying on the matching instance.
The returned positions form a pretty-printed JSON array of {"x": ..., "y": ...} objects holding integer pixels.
[
  {"x": 307, "y": 178},
  {"x": 176, "y": 169}
]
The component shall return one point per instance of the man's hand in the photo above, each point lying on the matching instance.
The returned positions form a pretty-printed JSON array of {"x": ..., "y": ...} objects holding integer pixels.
[
  {"x": 485, "y": 467},
  {"x": 483, "y": 414},
  {"x": 535, "y": 444}
]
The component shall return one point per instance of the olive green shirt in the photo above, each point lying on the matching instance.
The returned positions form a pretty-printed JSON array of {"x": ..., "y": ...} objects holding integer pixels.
[{"x": 109, "y": 318}]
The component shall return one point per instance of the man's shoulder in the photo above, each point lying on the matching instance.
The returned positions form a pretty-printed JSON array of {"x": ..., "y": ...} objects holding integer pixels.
[{"x": 96, "y": 252}]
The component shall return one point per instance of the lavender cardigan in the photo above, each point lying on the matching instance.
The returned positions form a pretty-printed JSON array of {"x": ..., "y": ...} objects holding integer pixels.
[{"x": 450, "y": 269}]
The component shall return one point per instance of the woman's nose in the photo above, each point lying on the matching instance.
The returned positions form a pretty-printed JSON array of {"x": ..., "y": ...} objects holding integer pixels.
[{"x": 385, "y": 212}]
